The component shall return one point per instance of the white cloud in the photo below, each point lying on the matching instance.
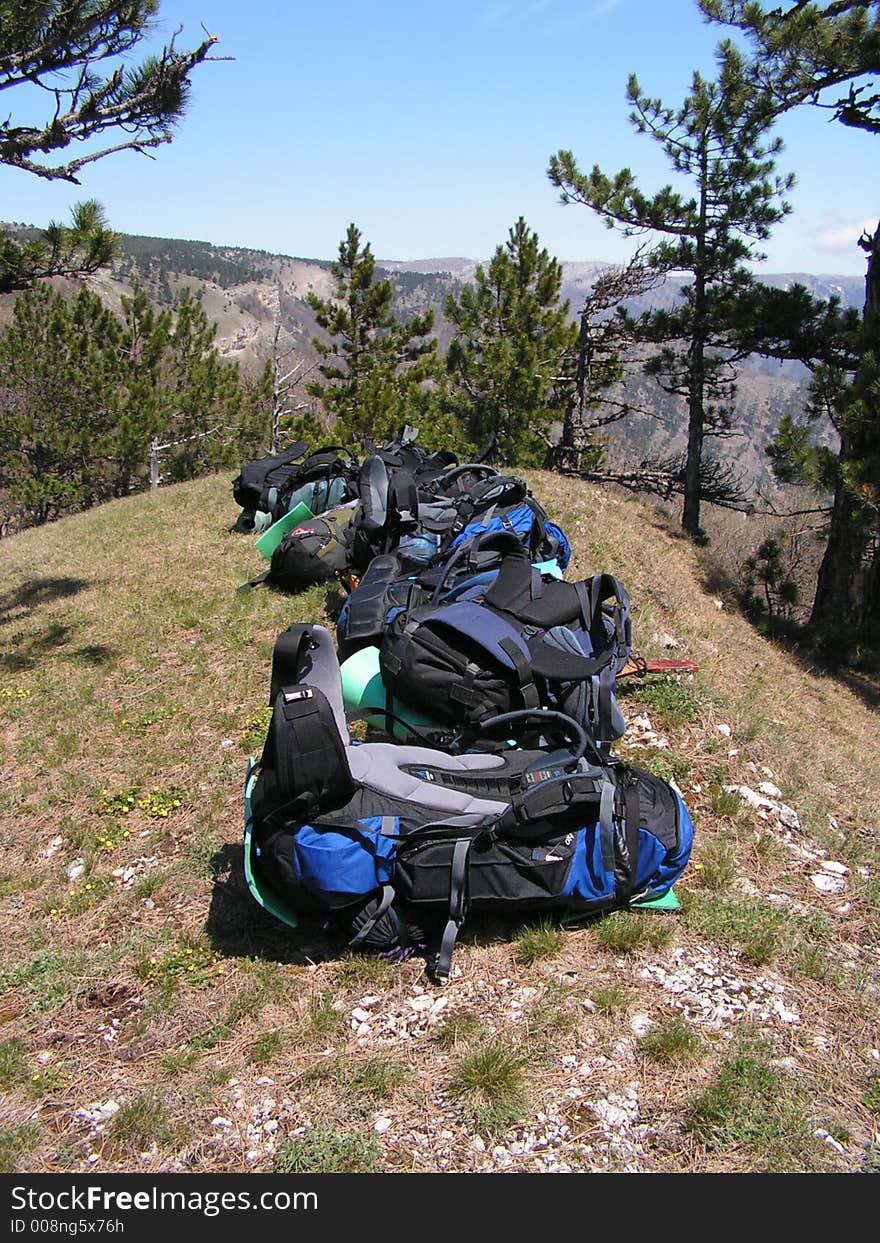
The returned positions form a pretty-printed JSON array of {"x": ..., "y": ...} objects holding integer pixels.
[{"x": 844, "y": 236}]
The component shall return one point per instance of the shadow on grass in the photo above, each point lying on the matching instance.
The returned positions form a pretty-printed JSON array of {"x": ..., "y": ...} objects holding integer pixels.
[
  {"x": 238, "y": 927},
  {"x": 26, "y": 650},
  {"x": 38, "y": 591}
]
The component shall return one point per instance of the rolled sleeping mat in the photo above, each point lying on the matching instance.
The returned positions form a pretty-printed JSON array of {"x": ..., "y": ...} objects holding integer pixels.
[{"x": 362, "y": 687}]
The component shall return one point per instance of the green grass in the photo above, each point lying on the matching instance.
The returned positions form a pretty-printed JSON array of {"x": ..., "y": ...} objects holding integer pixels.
[
  {"x": 762, "y": 932},
  {"x": 14, "y": 1143},
  {"x": 717, "y": 860},
  {"x": 489, "y": 1083},
  {"x": 609, "y": 998},
  {"x": 457, "y": 1030},
  {"x": 14, "y": 1064},
  {"x": 670, "y": 701},
  {"x": 627, "y": 932},
  {"x": 752, "y": 1108},
  {"x": 328, "y": 1150},
  {"x": 141, "y": 1122},
  {"x": 673, "y": 1041},
  {"x": 535, "y": 942},
  {"x": 266, "y": 1047}
]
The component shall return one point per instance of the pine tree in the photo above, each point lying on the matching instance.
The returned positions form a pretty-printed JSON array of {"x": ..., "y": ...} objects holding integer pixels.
[
  {"x": 508, "y": 359},
  {"x": 716, "y": 141},
  {"x": 85, "y": 392},
  {"x": 804, "y": 54},
  {"x": 62, "y": 47},
  {"x": 376, "y": 367},
  {"x": 78, "y": 249}
]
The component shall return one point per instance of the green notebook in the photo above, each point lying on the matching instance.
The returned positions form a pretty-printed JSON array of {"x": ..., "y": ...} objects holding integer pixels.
[{"x": 270, "y": 539}]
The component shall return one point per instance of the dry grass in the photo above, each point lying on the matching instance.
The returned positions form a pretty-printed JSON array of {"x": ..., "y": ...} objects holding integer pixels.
[{"x": 152, "y": 1018}]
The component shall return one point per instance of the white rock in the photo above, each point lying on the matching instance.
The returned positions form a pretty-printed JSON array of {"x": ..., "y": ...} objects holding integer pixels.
[
  {"x": 227, "y": 743},
  {"x": 478, "y": 1144},
  {"x": 839, "y": 869},
  {"x": 719, "y": 604},
  {"x": 830, "y": 1141},
  {"x": 724, "y": 730},
  {"x": 54, "y": 846},
  {"x": 750, "y": 796},
  {"x": 360, "y": 1016},
  {"x": 425, "y": 1002},
  {"x": 668, "y": 640},
  {"x": 640, "y": 1024},
  {"x": 768, "y": 788},
  {"x": 222, "y": 1124},
  {"x": 828, "y": 884},
  {"x": 789, "y": 816},
  {"x": 252, "y": 1156},
  {"x": 381, "y": 1125},
  {"x": 75, "y": 870}
]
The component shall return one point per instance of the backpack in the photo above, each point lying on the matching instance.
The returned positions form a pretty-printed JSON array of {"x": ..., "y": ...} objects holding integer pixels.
[
  {"x": 315, "y": 551},
  {"x": 271, "y": 486},
  {"x": 395, "y": 581},
  {"x": 513, "y": 639},
  {"x": 257, "y": 476},
  {"x": 323, "y": 480},
  {"x": 397, "y": 844}
]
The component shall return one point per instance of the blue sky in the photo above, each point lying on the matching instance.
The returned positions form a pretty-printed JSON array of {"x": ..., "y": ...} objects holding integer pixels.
[{"x": 431, "y": 127}]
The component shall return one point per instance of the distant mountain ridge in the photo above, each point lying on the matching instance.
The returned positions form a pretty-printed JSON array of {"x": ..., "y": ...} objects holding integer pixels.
[{"x": 244, "y": 291}]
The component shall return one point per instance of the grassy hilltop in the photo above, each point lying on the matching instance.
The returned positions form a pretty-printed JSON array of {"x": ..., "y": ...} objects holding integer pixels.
[{"x": 152, "y": 1018}]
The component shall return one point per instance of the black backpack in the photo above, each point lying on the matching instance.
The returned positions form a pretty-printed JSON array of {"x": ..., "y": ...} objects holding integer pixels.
[
  {"x": 257, "y": 476},
  {"x": 273, "y": 485},
  {"x": 523, "y": 640},
  {"x": 315, "y": 551}
]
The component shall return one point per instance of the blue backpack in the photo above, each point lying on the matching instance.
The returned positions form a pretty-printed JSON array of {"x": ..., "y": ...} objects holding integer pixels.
[{"x": 397, "y": 844}]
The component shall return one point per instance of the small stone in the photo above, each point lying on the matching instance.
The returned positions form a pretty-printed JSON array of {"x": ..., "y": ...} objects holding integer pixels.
[
  {"x": 771, "y": 790},
  {"x": 360, "y": 1016},
  {"x": 789, "y": 816},
  {"x": 828, "y": 884},
  {"x": 839, "y": 869},
  {"x": 724, "y": 730},
  {"x": 76, "y": 870},
  {"x": 222, "y": 1124},
  {"x": 381, "y": 1125},
  {"x": 478, "y": 1144},
  {"x": 227, "y": 743}
]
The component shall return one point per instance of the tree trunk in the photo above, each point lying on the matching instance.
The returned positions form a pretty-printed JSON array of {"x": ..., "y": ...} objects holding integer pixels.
[
  {"x": 847, "y": 600},
  {"x": 693, "y": 491}
]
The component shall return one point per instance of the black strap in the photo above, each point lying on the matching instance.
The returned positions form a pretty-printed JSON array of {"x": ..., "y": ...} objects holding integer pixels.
[
  {"x": 523, "y": 669},
  {"x": 387, "y": 897},
  {"x": 628, "y": 846},
  {"x": 457, "y": 908},
  {"x": 287, "y": 655}
]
